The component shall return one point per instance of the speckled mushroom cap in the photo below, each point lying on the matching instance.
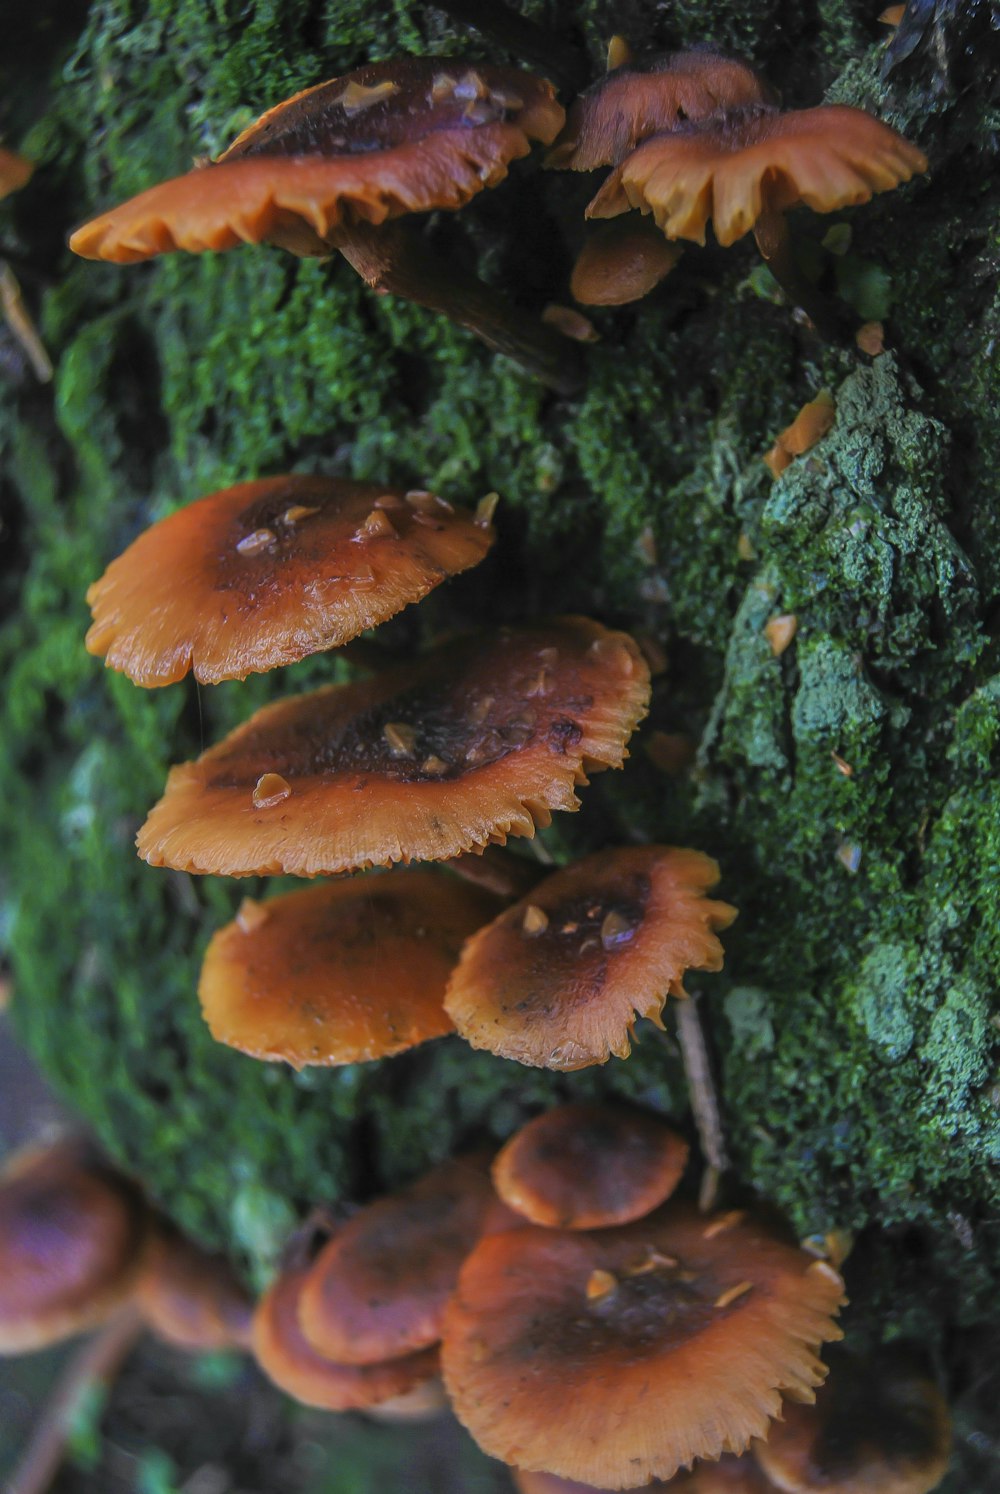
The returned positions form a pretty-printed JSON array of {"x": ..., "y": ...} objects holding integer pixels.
[
  {"x": 15, "y": 171},
  {"x": 480, "y": 739},
  {"x": 558, "y": 979},
  {"x": 731, "y": 170},
  {"x": 71, "y": 1235},
  {"x": 191, "y": 1298},
  {"x": 621, "y": 262},
  {"x": 408, "y": 135},
  {"x": 589, "y": 1166},
  {"x": 631, "y": 103},
  {"x": 379, "y": 1288},
  {"x": 343, "y": 972},
  {"x": 878, "y": 1427},
  {"x": 266, "y": 572},
  {"x": 618, "y": 1356},
  {"x": 292, "y": 1364}
]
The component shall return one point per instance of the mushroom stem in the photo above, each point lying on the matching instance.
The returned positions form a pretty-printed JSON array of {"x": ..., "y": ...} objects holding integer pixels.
[
  {"x": 95, "y": 1364},
  {"x": 393, "y": 261},
  {"x": 497, "y": 870},
  {"x": 515, "y": 33},
  {"x": 704, "y": 1098},
  {"x": 775, "y": 244}
]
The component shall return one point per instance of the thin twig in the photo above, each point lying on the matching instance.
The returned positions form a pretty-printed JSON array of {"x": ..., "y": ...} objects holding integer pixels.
[
  {"x": 95, "y": 1363},
  {"x": 17, "y": 317},
  {"x": 704, "y": 1098}
]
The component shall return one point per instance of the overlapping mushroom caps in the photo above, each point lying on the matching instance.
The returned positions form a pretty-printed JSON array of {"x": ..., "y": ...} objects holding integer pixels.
[
  {"x": 589, "y": 1166},
  {"x": 408, "y": 135},
  {"x": 264, "y": 573},
  {"x": 342, "y": 972},
  {"x": 71, "y": 1234},
  {"x": 190, "y": 1298},
  {"x": 618, "y": 1356},
  {"x": 481, "y": 738},
  {"x": 559, "y": 979},
  {"x": 379, "y": 1288}
]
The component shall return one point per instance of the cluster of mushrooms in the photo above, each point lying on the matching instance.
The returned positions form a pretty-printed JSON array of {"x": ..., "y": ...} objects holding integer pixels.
[{"x": 585, "y": 1327}]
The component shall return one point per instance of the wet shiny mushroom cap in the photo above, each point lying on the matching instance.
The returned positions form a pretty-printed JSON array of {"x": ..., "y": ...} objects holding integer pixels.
[
  {"x": 344, "y": 972},
  {"x": 290, "y": 1362},
  {"x": 405, "y": 136},
  {"x": 589, "y": 1166},
  {"x": 190, "y": 1297},
  {"x": 614, "y": 115},
  {"x": 618, "y": 1356},
  {"x": 730, "y": 171},
  {"x": 877, "y": 1427},
  {"x": 380, "y": 1287},
  {"x": 621, "y": 262},
  {"x": 71, "y": 1235},
  {"x": 267, "y": 572},
  {"x": 480, "y": 739},
  {"x": 559, "y": 979}
]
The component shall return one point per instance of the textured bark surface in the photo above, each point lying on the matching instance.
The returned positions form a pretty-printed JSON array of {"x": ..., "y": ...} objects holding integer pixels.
[{"x": 856, "y": 1020}]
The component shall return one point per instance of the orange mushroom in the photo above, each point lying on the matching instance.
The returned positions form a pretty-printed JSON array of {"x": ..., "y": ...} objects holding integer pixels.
[
  {"x": 614, "y": 115},
  {"x": 744, "y": 170},
  {"x": 379, "y": 1288},
  {"x": 618, "y": 1356},
  {"x": 621, "y": 262},
  {"x": 264, "y": 573},
  {"x": 589, "y": 1166},
  {"x": 190, "y": 1298},
  {"x": 340, "y": 973},
  {"x": 71, "y": 1235},
  {"x": 811, "y": 424},
  {"x": 480, "y": 739},
  {"x": 729, "y": 1475},
  {"x": 15, "y": 172},
  {"x": 558, "y": 980}
]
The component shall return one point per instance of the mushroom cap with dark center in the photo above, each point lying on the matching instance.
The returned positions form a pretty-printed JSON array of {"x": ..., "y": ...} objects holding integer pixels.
[
  {"x": 734, "y": 169},
  {"x": 264, "y": 573},
  {"x": 340, "y": 973},
  {"x": 878, "y": 1427},
  {"x": 192, "y": 1298},
  {"x": 290, "y": 1361},
  {"x": 558, "y": 979},
  {"x": 589, "y": 1166},
  {"x": 618, "y": 1356},
  {"x": 614, "y": 115},
  {"x": 405, "y": 136},
  {"x": 71, "y": 1236},
  {"x": 480, "y": 739},
  {"x": 379, "y": 1288},
  {"x": 15, "y": 171},
  {"x": 621, "y": 262}
]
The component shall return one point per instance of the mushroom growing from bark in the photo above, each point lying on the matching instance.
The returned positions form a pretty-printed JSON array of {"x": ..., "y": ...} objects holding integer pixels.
[
  {"x": 267, "y": 572},
  {"x": 327, "y": 168},
  {"x": 480, "y": 739},
  {"x": 811, "y": 424},
  {"x": 559, "y": 979},
  {"x": 340, "y": 973},
  {"x": 621, "y": 262},
  {"x": 618, "y": 1356}
]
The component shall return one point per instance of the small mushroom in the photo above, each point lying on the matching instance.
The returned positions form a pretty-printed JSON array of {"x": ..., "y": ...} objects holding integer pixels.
[
  {"x": 190, "y": 1298},
  {"x": 15, "y": 172},
  {"x": 486, "y": 758},
  {"x": 589, "y": 1166},
  {"x": 267, "y": 572},
  {"x": 620, "y": 930},
  {"x": 811, "y": 424},
  {"x": 617, "y": 1356},
  {"x": 340, "y": 973},
  {"x": 621, "y": 262}
]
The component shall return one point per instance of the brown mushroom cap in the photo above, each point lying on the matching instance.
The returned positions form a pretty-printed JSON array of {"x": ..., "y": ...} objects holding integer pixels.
[
  {"x": 480, "y": 739},
  {"x": 404, "y": 136},
  {"x": 728, "y": 1476},
  {"x": 876, "y": 1428},
  {"x": 15, "y": 171},
  {"x": 621, "y": 262},
  {"x": 558, "y": 979},
  {"x": 340, "y": 973},
  {"x": 266, "y": 572},
  {"x": 734, "y": 169},
  {"x": 190, "y": 1298},
  {"x": 625, "y": 107},
  {"x": 589, "y": 1166},
  {"x": 294, "y": 1366},
  {"x": 620, "y": 1355},
  {"x": 71, "y": 1235},
  {"x": 379, "y": 1288}
]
